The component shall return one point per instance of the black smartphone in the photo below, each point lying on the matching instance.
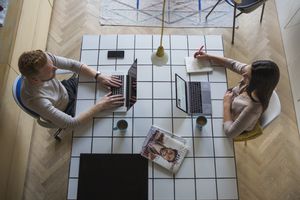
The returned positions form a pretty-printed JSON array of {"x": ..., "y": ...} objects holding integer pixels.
[{"x": 115, "y": 54}]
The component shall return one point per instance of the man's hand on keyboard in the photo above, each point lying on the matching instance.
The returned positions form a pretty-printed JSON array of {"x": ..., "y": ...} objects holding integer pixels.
[
  {"x": 111, "y": 101},
  {"x": 109, "y": 81}
]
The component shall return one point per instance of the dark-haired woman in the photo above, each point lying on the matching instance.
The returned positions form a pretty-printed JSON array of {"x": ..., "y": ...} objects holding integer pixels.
[{"x": 244, "y": 103}]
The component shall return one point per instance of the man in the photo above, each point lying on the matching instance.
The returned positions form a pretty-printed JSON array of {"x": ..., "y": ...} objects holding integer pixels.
[{"x": 53, "y": 100}]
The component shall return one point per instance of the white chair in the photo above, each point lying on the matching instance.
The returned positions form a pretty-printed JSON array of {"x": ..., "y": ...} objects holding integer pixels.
[
  {"x": 272, "y": 111},
  {"x": 16, "y": 91}
]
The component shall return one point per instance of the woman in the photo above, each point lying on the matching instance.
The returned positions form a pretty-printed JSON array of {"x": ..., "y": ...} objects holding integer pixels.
[{"x": 244, "y": 103}]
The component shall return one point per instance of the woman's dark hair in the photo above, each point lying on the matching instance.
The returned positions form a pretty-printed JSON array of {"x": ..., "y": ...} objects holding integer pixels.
[{"x": 264, "y": 78}]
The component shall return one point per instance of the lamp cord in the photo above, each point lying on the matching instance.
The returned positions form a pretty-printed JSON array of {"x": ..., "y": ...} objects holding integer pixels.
[{"x": 162, "y": 22}]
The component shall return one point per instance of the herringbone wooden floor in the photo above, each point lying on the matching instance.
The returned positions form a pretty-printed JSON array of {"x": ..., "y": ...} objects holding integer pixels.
[{"x": 268, "y": 167}]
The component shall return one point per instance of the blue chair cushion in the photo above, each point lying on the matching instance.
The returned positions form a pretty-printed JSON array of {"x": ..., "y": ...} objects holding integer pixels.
[{"x": 18, "y": 95}]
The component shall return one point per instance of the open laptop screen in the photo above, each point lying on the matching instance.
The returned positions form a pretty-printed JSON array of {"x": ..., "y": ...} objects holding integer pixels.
[
  {"x": 181, "y": 93},
  {"x": 132, "y": 85}
]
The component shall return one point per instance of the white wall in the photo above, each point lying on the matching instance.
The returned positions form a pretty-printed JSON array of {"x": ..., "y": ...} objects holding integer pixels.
[{"x": 289, "y": 19}]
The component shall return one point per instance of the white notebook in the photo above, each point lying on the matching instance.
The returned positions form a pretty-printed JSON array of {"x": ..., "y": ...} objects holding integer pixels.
[{"x": 194, "y": 65}]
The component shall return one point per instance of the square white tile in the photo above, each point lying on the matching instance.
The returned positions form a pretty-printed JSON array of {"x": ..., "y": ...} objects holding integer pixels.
[
  {"x": 227, "y": 189},
  {"x": 86, "y": 91},
  {"x": 178, "y": 57},
  {"x": 186, "y": 169},
  {"x": 90, "y": 42},
  {"x": 141, "y": 126},
  {"x": 205, "y": 167},
  {"x": 81, "y": 145},
  {"x": 138, "y": 144},
  {"x": 123, "y": 68},
  {"x": 218, "y": 127},
  {"x": 161, "y": 73},
  {"x": 104, "y": 113},
  {"x": 203, "y": 147},
  {"x": 225, "y": 167},
  {"x": 108, "y": 42},
  {"x": 128, "y": 58},
  {"x": 143, "y": 108},
  {"x": 214, "y": 42},
  {"x": 74, "y": 167},
  {"x": 143, "y": 41},
  {"x": 206, "y": 189},
  {"x": 162, "y": 108},
  {"x": 123, "y": 133},
  {"x": 72, "y": 188},
  {"x": 195, "y": 42},
  {"x": 144, "y": 90},
  {"x": 122, "y": 145},
  {"x": 190, "y": 144},
  {"x": 83, "y": 105},
  {"x": 216, "y": 53},
  {"x": 144, "y": 73},
  {"x": 160, "y": 172},
  {"x": 125, "y": 41},
  {"x": 163, "y": 189},
  {"x": 223, "y": 147},
  {"x": 218, "y": 75},
  {"x": 102, "y": 145},
  {"x": 103, "y": 127},
  {"x": 217, "y": 108},
  {"x": 89, "y": 57},
  {"x": 124, "y": 114},
  {"x": 163, "y": 123},
  {"x": 181, "y": 71},
  {"x": 161, "y": 90},
  {"x": 205, "y": 130},
  {"x": 85, "y": 78},
  {"x": 165, "y": 42},
  {"x": 143, "y": 57},
  {"x": 218, "y": 90},
  {"x": 178, "y": 42},
  {"x": 183, "y": 126},
  {"x": 107, "y": 69},
  {"x": 84, "y": 130},
  {"x": 185, "y": 189}
]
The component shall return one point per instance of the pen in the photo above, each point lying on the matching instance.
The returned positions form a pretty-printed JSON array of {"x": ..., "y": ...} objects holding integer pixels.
[{"x": 201, "y": 48}]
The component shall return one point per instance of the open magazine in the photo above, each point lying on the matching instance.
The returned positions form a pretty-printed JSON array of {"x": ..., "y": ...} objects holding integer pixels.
[{"x": 164, "y": 148}]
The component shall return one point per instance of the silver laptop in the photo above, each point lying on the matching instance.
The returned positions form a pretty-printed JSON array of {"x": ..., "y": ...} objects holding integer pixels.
[
  {"x": 193, "y": 97},
  {"x": 128, "y": 88}
]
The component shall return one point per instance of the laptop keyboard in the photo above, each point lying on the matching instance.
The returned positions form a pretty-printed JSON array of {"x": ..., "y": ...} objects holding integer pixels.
[
  {"x": 118, "y": 90},
  {"x": 195, "y": 94}
]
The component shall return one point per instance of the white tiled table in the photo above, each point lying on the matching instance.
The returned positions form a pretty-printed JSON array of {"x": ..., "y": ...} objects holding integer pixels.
[{"x": 208, "y": 171}]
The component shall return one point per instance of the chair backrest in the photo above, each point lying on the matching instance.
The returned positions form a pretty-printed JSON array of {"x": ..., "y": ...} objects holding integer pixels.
[
  {"x": 247, "y": 6},
  {"x": 16, "y": 90},
  {"x": 272, "y": 111},
  {"x": 250, "y": 135}
]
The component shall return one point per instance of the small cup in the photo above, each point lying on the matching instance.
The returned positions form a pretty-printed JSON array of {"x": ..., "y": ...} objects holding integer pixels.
[
  {"x": 201, "y": 121},
  {"x": 121, "y": 125}
]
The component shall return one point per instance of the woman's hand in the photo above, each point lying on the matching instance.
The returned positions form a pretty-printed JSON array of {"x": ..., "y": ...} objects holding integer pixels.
[
  {"x": 111, "y": 101},
  {"x": 228, "y": 97},
  {"x": 200, "y": 55},
  {"x": 109, "y": 81}
]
